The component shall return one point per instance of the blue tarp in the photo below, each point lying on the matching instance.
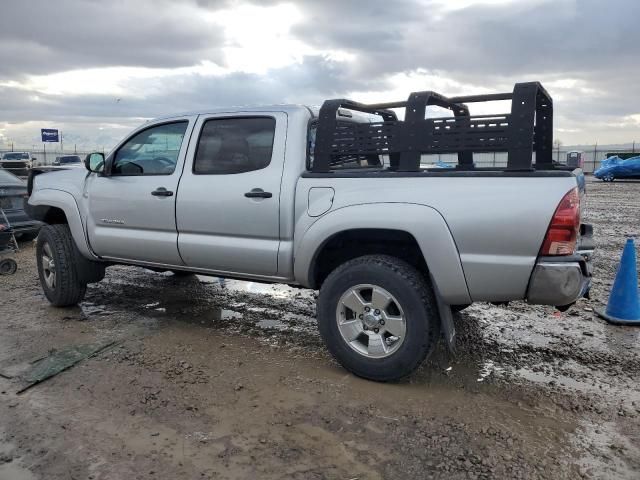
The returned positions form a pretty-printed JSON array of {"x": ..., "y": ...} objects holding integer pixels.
[{"x": 615, "y": 167}]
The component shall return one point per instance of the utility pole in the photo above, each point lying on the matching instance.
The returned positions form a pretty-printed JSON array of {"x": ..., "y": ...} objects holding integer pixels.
[{"x": 558, "y": 144}]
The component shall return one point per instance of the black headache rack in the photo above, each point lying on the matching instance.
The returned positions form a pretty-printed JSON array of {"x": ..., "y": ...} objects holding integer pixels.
[{"x": 527, "y": 129}]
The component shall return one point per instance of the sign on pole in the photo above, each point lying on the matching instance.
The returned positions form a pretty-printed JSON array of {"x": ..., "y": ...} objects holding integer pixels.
[{"x": 49, "y": 135}]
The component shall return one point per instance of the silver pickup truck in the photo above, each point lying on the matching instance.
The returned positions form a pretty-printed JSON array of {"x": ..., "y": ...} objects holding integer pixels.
[{"x": 337, "y": 199}]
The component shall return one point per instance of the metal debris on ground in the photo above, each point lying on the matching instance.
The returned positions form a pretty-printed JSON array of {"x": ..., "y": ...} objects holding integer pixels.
[{"x": 60, "y": 360}]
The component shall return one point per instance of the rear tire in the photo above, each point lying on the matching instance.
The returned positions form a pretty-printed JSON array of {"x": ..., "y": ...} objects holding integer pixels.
[
  {"x": 397, "y": 333},
  {"x": 57, "y": 266}
]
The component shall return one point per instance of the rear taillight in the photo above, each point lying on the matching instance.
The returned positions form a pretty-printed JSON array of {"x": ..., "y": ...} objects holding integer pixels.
[{"x": 562, "y": 234}]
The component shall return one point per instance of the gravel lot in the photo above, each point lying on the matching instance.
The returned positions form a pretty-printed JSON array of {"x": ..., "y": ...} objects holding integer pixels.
[{"x": 228, "y": 380}]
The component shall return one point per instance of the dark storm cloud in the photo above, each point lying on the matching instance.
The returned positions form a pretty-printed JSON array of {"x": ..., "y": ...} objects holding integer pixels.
[
  {"x": 43, "y": 36},
  {"x": 495, "y": 39}
]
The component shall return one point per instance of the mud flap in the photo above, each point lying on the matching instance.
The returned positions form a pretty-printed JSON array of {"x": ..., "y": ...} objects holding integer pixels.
[{"x": 446, "y": 321}]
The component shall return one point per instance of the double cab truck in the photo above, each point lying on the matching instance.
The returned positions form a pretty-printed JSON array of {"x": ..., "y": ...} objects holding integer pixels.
[{"x": 340, "y": 199}]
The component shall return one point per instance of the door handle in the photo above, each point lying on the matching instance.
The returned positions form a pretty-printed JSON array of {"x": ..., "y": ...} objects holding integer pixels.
[
  {"x": 258, "y": 193},
  {"x": 162, "y": 192}
]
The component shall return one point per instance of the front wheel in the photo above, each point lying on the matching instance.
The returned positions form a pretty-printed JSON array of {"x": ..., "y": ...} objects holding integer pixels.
[
  {"x": 57, "y": 266},
  {"x": 378, "y": 317},
  {"x": 608, "y": 177}
]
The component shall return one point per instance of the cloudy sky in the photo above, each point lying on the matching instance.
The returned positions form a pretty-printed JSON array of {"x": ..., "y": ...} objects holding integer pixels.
[{"x": 95, "y": 69}]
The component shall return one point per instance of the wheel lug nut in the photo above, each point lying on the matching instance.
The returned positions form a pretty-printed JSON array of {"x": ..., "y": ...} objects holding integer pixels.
[
  {"x": 381, "y": 322},
  {"x": 376, "y": 330},
  {"x": 377, "y": 312}
]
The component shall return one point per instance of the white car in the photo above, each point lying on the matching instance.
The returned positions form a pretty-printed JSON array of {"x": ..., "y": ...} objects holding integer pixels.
[{"x": 18, "y": 163}]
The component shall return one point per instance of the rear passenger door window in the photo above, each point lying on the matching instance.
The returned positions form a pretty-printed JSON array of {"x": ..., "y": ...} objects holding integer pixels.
[{"x": 234, "y": 145}]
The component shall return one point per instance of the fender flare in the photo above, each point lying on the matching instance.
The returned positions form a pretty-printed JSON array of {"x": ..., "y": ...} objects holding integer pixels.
[
  {"x": 42, "y": 200},
  {"x": 424, "y": 223}
]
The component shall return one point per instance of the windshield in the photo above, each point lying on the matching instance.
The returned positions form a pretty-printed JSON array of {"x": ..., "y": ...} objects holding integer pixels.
[
  {"x": 70, "y": 159},
  {"x": 16, "y": 156},
  {"x": 7, "y": 178}
]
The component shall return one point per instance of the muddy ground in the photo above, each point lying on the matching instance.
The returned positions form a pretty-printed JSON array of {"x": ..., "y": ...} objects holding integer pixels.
[{"x": 227, "y": 380}]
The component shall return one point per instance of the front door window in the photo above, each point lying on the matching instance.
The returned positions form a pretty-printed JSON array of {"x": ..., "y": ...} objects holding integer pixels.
[{"x": 153, "y": 151}]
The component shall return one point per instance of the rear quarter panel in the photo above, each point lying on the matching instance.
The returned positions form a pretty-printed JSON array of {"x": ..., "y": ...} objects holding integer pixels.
[{"x": 496, "y": 225}]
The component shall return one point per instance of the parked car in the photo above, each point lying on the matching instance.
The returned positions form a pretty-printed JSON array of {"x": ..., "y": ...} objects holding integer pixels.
[
  {"x": 68, "y": 161},
  {"x": 18, "y": 163},
  {"x": 615, "y": 167},
  {"x": 13, "y": 193},
  {"x": 317, "y": 199}
]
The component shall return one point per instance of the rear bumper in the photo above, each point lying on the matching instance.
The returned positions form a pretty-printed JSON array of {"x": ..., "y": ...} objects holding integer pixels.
[{"x": 560, "y": 281}]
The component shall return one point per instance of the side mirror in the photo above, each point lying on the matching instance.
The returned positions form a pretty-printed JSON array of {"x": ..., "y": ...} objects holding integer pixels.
[{"x": 94, "y": 162}]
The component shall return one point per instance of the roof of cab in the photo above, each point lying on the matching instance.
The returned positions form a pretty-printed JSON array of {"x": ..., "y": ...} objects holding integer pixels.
[{"x": 288, "y": 108}]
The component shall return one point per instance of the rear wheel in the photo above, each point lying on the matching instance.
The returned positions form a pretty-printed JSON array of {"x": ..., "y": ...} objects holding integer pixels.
[
  {"x": 57, "y": 267},
  {"x": 378, "y": 317}
]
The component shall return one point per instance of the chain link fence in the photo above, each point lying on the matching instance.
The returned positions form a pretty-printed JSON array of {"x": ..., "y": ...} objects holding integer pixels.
[{"x": 47, "y": 156}]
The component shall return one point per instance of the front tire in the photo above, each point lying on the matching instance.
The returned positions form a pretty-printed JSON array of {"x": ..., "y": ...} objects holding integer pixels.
[
  {"x": 378, "y": 316},
  {"x": 57, "y": 266}
]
